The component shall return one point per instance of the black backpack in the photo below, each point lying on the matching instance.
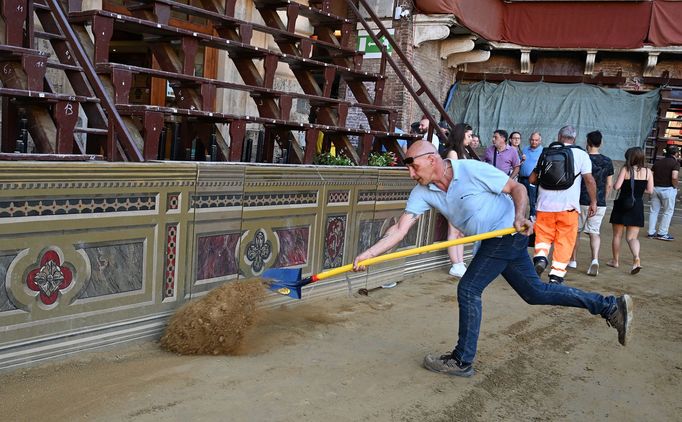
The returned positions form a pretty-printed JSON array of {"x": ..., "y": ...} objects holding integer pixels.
[{"x": 555, "y": 167}]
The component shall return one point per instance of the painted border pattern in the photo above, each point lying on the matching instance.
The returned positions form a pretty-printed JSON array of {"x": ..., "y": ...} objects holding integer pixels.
[
  {"x": 171, "y": 260},
  {"x": 94, "y": 185},
  {"x": 279, "y": 199},
  {"x": 215, "y": 201},
  {"x": 76, "y": 205},
  {"x": 337, "y": 196},
  {"x": 383, "y": 196},
  {"x": 173, "y": 201}
]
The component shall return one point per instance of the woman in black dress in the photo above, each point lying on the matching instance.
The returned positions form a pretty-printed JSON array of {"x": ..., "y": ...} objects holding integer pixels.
[{"x": 630, "y": 219}]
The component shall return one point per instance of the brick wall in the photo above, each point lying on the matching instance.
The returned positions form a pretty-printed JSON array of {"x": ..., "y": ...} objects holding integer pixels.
[
  {"x": 631, "y": 65},
  {"x": 502, "y": 62},
  {"x": 670, "y": 63},
  {"x": 427, "y": 63}
]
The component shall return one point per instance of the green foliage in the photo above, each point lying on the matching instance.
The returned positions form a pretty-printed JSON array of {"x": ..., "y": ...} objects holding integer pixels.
[
  {"x": 386, "y": 159},
  {"x": 326, "y": 159}
]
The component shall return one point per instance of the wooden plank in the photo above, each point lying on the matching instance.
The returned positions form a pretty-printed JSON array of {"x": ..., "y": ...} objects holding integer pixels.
[
  {"x": 237, "y": 132},
  {"x": 153, "y": 124},
  {"x": 65, "y": 118}
]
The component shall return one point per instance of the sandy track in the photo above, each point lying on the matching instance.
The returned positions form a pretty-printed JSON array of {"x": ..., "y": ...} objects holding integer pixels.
[{"x": 359, "y": 359}]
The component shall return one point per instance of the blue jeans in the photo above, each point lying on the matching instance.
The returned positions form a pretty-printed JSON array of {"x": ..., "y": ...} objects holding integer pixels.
[
  {"x": 508, "y": 256},
  {"x": 532, "y": 193}
]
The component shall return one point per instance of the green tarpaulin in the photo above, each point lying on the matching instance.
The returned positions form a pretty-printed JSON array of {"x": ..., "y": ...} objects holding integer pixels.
[{"x": 624, "y": 119}]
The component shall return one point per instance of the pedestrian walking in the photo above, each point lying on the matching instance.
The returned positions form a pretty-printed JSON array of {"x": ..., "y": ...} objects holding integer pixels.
[
  {"x": 602, "y": 171},
  {"x": 666, "y": 181},
  {"x": 627, "y": 215},
  {"x": 560, "y": 170}
]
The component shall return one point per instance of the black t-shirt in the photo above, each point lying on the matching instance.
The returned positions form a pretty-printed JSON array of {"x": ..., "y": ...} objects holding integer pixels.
[
  {"x": 602, "y": 168},
  {"x": 663, "y": 171}
]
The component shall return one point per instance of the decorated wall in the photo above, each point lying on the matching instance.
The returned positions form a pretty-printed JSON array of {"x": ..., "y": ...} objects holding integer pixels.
[{"x": 95, "y": 254}]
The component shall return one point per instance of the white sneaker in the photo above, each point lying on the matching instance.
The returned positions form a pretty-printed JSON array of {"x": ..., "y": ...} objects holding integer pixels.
[
  {"x": 458, "y": 270},
  {"x": 572, "y": 264},
  {"x": 594, "y": 268}
]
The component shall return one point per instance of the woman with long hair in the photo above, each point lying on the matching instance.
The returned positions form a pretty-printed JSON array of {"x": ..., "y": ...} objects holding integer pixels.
[
  {"x": 458, "y": 148},
  {"x": 515, "y": 142},
  {"x": 634, "y": 179},
  {"x": 459, "y": 142}
]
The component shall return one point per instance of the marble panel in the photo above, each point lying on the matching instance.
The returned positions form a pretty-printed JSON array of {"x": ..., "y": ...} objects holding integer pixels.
[
  {"x": 293, "y": 246},
  {"x": 410, "y": 238},
  {"x": 115, "y": 269},
  {"x": 334, "y": 241},
  {"x": 370, "y": 231},
  {"x": 440, "y": 228},
  {"x": 216, "y": 255},
  {"x": 5, "y": 302}
]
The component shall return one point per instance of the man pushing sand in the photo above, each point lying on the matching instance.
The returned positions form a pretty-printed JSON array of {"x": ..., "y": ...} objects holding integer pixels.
[{"x": 478, "y": 198}]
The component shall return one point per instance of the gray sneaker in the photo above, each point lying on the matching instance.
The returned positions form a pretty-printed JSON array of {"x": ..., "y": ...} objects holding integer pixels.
[
  {"x": 621, "y": 318},
  {"x": 540, "y": 263},
  {"x": 446, "y": 364}
]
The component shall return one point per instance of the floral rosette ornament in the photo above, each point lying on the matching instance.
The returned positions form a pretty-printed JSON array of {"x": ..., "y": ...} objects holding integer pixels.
[{"x": 49, "y": 278}]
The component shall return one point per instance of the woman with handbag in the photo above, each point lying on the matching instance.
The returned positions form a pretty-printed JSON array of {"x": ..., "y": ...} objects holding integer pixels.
[{"x": 628, "y": 209}]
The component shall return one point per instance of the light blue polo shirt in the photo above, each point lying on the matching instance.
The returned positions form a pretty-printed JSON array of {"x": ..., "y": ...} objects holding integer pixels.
[
  {"x": 474, "y": 202},
  {"x": 532, "y": 157}
]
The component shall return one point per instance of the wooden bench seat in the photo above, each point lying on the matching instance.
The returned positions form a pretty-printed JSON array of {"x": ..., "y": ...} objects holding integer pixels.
[
  {"x": 278, "y": 35},
  {"x": 33, "y": 63},
  {"x": 315, "y": 66},
  {"x": 45, "y": 96},
  {"x": 13, "y": 52},
  {"x": 665, "y": 140},
  {"x": 6, "y": 156},
  {"x": 155, "y": 115},
  {"x": 236, "y": 49},
  {"x": 315, "y": 15},
  {"x": 255, "y": 91},
  {"x": 139, "y": 110}
]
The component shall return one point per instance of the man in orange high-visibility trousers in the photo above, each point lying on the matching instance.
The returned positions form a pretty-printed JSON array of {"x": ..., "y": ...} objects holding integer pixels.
[{"x": 558, "y": 211}]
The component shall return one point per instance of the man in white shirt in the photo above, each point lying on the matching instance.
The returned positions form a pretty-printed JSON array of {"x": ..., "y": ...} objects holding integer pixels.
[
  {"x": 557, "y": 211},
  {"x": 424, "y": 129}
]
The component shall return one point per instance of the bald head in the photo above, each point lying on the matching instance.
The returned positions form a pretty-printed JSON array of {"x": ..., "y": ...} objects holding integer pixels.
[{"x": 424, "y": 163}]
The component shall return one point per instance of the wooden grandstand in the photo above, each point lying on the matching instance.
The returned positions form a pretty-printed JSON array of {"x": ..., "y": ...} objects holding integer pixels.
[
  {"x": 667, "y": 129},
  {"x": 103, "y": 116}
]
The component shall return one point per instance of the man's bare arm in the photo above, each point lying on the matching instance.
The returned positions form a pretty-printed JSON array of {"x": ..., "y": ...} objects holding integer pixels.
[
  {"x": 609, "y": 187},
  {"x": 591, "y": 186},
  {"x": 533, "y": 178}
]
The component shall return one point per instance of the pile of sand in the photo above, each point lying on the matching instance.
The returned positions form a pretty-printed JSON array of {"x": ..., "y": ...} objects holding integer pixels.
[{"x": 217, "y": 323}]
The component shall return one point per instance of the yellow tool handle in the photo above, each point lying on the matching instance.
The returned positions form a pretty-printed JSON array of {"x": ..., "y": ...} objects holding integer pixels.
[{"x": 416, "y": 251}]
